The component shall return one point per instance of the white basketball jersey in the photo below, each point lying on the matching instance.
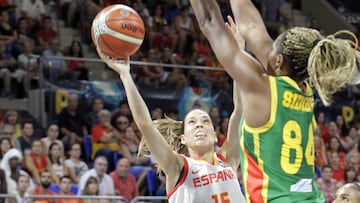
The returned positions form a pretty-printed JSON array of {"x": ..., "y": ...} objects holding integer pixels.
[{"x": 202, "y": 182}]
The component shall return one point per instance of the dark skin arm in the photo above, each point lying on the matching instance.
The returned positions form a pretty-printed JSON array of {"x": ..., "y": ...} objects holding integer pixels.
[
  {"x": 242, "y": 67},
  {"x": 252, "y": 29}
]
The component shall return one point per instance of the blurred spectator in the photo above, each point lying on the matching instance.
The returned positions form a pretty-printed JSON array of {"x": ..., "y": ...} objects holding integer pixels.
[
  {"x": 218, "y": 79},
  {"x": 65, "y": 186},
  {"x": 91, "y": 188},
  {"x": 46, "y": 34},
  {"x": 172, "y": 77},
  {"x": 274, "y": 16},
  {"x": 124, "y": 181},
  {"x": 24, "y": 32},
  {"x": 7, "y": 65},
  {"x": 140, "y": 164},
  {"x": 350, "y": 175},
  {"x": 105, "y": 182},
  {"x": 8, "y": 33},
  {"x": 3, "y": 189},
  {"x": 353, "y": 160},
  {"x": 196, "y": 77},
  {"x": 34, "y": 11},
  {"x": 52, "y": 134},
  {"x": 352, "y": 138},
  {"x": 122, "y": 109},
  {"x": 104, "y": 140},
  {"x": 7, "y": 130},
  {"x": 320, "y": 119},
  {"x": 56, "y": 69},
  {"x": 314, "y": 24},
  {"x": 21, "y": 191},
  {"x": 161, "y": 190},
  {"x": 57, "y": 161},
  {"x": 340, "y": 123},
  {"x": 320, "y": 150},
  {"x": 185, "y": 28},
  {"x": 28, "y": 66},
  {"x": 72, "y": 122},
  {"x": 165, "y": 38},
  {"x": 43, "y": 189},
  {"x": 11, "y": 163},
  {"x": 214, "y": 114},
  {"x": 26, "y": 138},
  {"x": 12, "y": 118},
  {"x": 201, "y": 46},
  {"x": 97, "y": 104},
  {"x": 152, "y": 75},
  {"x": 36, "y": 162},
  {"x": 75, "y": 163},
  {"x": 78, "y": 68},
  {"x": 5, "y": 145},
  {"x": 221, "y": 132},
  {"x": 120, "y": 123},
  {"x": 338, "y": 168},
  {"x": 70, "y": 12},
  {"x": 335, "y": 147},
  {"x": 326, "y": 183},
  {"x": 157, "y": 113}
]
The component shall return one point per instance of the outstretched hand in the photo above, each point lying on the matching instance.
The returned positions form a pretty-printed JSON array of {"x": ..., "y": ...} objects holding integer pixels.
[
  {"x": 117, "y": 66},
  {"x": 232, "y": 27}
]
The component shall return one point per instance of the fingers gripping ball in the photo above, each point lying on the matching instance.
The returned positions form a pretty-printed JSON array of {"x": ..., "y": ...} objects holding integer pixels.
[{"x": 118, "y": 31}]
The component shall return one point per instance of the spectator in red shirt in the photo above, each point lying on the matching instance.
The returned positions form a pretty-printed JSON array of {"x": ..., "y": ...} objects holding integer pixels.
[
  {"x": 43, "y": 189},
  {"x": 46, "y": 33},
  {"x": 124, "y": 181},
  {"x": 105, "y": 141}
]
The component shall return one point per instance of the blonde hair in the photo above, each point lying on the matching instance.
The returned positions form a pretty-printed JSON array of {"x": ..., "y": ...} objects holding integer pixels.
[
  {"x": 171, "y": 130},
  {"x": 332, "y": 64},
  {"x": 329, "y": 62}
]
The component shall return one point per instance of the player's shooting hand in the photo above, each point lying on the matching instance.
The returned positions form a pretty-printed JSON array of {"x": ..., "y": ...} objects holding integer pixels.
[
  {"x": 231, "y": 26},
  {"x": 117, "y": 66}
]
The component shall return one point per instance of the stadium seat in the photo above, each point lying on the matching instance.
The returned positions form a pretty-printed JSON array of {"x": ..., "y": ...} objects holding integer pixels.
[
  {"x": 54, "y": 188},
  {"x": 88, "y": 148},
  {"x": 74, "y": 189},
  {"x": 152, "y": 183},
  {"x": 116, "y": 157}
]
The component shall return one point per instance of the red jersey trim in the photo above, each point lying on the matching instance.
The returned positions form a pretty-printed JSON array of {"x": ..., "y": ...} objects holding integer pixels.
[
  {"x": 183, "y": 178},
  {"x": 254, "y": 179}
]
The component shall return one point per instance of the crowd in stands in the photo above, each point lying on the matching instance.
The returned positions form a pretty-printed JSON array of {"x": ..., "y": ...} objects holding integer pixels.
[{"x": 96, "y": 152}]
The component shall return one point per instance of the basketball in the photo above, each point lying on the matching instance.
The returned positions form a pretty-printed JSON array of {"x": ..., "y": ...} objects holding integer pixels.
[{"x": 118, "y": 31}]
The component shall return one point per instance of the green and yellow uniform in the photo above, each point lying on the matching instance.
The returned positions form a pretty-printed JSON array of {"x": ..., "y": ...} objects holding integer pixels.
[{"x": 277, "y": 159}]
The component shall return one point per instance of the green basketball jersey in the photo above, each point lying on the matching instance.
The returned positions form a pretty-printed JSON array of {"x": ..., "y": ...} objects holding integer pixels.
[{"x": 277, "y": 159}]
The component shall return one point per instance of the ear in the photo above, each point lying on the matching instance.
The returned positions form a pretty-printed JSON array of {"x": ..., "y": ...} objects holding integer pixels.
[
  {"x": 278, "y": 63},
  {"x": 182, "y": 139}
]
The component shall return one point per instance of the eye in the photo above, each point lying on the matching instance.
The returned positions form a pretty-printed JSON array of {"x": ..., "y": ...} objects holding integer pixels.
[
  {"x": 191, "y": 121},
  {"x": 345, "y": 199},
  {"x": 206, "y": 120}
]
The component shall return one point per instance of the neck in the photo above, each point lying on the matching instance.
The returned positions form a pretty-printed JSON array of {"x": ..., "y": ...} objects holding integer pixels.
[
  {"x": 21, "y": 193},
  {"x": 207, "y": 156},
  {"x": 74, "y": 159}
]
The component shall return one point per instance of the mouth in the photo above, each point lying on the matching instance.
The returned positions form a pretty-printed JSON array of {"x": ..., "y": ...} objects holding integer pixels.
[{"x": 199, "y": 134}]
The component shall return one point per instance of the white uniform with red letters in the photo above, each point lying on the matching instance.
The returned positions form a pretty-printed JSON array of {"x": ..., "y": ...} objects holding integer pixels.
[{"x": 202, "y": 182}]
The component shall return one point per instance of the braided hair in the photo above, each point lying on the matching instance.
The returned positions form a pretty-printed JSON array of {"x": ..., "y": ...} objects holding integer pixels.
[
  {"x": 329, "y": 62},
  {"x": 332, "y": 64}
]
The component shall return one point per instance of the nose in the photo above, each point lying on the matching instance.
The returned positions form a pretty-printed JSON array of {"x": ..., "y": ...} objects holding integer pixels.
[{"x": 199, "y": 124}]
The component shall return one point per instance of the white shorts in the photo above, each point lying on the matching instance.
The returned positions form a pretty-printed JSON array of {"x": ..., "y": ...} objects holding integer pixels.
[{"x": 19, "y": 74}]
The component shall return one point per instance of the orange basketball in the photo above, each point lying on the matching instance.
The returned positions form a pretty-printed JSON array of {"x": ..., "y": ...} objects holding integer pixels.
[{"x": 118, "y": 31}]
